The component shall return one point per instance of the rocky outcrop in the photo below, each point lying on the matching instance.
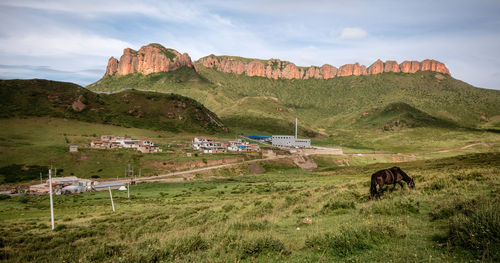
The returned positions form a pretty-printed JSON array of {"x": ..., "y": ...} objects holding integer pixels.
[
  {"x": 376, "y": 68},
  {"x": 433, "y": 65},
  {"x": 156, "y": 58},
  {"x": 254, "y": 68},
  {"x": 277, "y": 69},
  {"x": 391, "y": 66},
  {"x": 409, "y": 66},
  {"x": 328, "y": 71},
  {"x": 149, "y": 59}
]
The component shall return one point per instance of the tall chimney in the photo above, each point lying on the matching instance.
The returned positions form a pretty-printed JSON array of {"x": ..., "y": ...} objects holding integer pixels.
[{"x": 296, "y": 128}]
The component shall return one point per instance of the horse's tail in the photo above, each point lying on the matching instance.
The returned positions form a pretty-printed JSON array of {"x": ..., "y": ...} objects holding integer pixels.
[{"x": 373, "y": 186}]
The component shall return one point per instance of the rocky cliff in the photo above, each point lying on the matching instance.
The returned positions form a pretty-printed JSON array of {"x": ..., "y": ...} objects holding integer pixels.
[
  {"x": 277, "y": 69},
  {"x": 156, "y": 58},
  {"x": 149, "y": 59}
]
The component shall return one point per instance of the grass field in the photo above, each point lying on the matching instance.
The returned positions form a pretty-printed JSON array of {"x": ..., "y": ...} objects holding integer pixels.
[{"x": 451, "y": 216}]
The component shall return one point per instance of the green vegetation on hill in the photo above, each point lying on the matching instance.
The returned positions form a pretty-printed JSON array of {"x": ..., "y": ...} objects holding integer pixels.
[
  {"x": 397, "y": 116},
  {"x": 325, "y": 105},
  {"x": 130, "y": 108},
  {"x": 236, "y": 58}
]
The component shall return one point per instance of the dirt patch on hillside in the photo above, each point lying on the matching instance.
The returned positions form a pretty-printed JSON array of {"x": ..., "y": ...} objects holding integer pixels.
[{"x": 256, "y": 169}]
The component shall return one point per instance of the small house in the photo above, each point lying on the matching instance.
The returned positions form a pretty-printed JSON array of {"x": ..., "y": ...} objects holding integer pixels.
[{"x": 73, "y": 148}]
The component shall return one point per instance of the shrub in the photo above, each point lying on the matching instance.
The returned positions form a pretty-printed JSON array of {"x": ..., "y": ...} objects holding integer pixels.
[
  {"x": 4, "y": 196},
  {"x": 262, "y": 245},
  {"x": 398, "y": 206},
  {"x": 182, "y": 246},
  {"x": 291, "y": 200},
  {"x": 479, "y": 231},
  {"x": 333, "y": 205},
  {"x": 228, "y": 208},
  {"x": 349, "y": 240},
  {"x": 24, "y": 199},
  {"x": 476, "y": 176},
  {"x": 451, "y": 208},
  {"x": 251, "y": 226},
  {"x": 60, "y": 227}
]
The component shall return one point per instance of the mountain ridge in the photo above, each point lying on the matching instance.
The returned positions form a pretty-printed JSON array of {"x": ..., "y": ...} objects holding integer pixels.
[{"x": 155, "y": 58}]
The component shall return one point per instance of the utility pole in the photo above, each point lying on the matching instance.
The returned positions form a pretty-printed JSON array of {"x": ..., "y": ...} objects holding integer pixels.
[
  {"x": 111, "y": 197},
  {"x": 41, "y": 182},
  {"x": 296, "y": 120},
  {"x": 128, "y": 190},
  {"x": 51, "y": 202}
]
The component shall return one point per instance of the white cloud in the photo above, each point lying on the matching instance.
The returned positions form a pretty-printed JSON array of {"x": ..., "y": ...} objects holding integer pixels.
[
  {"x": 353, "y": 33},
  {"x": 61, "y": 44}
]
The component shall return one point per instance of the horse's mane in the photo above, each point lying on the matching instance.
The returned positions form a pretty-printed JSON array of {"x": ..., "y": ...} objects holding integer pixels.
[{"x": 405, "y": 176}]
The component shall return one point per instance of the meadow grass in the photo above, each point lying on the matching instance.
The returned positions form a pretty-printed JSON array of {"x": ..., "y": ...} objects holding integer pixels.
[{"x": 451, "y": 216}]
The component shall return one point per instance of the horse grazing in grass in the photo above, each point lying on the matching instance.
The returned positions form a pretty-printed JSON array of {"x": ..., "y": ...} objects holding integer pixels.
[{"x": 389, "y": 176}]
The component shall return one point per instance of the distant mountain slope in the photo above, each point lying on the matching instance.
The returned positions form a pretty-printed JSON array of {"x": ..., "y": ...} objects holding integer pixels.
[
  {"x": 244, "y": 102},
  {"x": 129, "y": 108},
  {"x": 399, "y": 115}
]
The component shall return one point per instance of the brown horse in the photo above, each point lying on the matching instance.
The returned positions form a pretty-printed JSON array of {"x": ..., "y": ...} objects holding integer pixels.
[{"x": 389, "y": 176}]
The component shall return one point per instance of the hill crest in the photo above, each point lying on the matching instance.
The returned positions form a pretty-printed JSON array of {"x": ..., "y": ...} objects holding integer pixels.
[{"x": 129, "y": 108}]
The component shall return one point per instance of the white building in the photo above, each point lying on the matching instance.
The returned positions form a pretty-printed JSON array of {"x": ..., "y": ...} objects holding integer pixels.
[
  {"x": 199, "y": 142},
  {"x": 289, "y": 141}
]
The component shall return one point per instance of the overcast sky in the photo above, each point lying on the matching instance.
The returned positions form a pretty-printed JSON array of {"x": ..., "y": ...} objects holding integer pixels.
[{"x": 72, "y": 40}]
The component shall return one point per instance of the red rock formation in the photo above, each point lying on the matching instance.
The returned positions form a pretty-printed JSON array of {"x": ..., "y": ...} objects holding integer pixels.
[
  {"x": 433, "y": 65},
  {"x": 391, "y": 66},
  {"x": 364, "y": 71},
  {"x": 290, "y": 71},
  {"x": 112, "y": 66},
  {"x": 210, "y": 62},
  {"x": 255, "y": 68},
  {"x": 376, "y": 68},
  {"x": 312, "y": 72},
  {"x": 409, "y": 66},
  {"x": 356, "y": 70},
  {"x": 277, "y": 69},
  {"x": 149, "y": 59},
  {"x": 345, "y": 70},
  {"x": 328, "y": 71}
]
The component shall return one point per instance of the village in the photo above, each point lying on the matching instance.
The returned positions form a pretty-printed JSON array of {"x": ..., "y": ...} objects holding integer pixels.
[
  {"x": 205, "y": 145},
  {"x": 209, "y": 145},
  {"x": 116, "y": 142}
]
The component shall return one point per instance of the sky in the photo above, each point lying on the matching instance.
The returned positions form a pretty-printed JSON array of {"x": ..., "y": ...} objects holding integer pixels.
[{"x": 70, "y": 40}]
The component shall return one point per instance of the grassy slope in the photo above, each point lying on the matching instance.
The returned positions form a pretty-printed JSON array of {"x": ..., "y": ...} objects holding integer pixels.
[
  {"x": 255, "y": 218},
  {"x": 322, "y": 104},
  {"x": 130, "y": 108}
]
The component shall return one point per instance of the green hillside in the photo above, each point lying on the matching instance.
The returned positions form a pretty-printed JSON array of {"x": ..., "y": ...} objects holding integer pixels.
[
  {"x": 397, "y": 116},
  {"x": 131, "y": 108},
  {"x": 323, "y": 106}
]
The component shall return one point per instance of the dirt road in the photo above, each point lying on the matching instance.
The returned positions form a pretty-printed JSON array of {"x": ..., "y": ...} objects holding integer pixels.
[{"x": 191, "y": 173}]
